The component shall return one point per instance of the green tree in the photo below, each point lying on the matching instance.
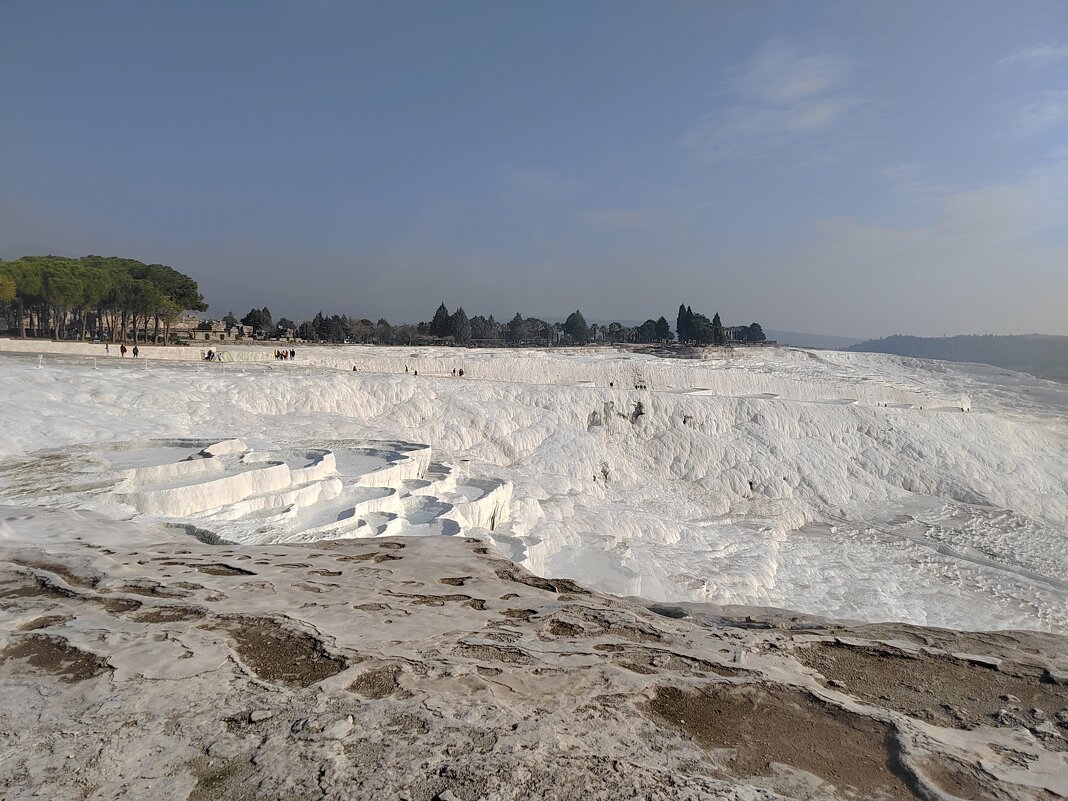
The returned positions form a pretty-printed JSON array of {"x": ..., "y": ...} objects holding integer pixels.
[
  {"x": 441, "y": 324},
  {"x": 260, "y": 321},
  {"x": 230, "y": 319},
  {"x": 576, "y": 328},
  {"x": 460, "y": 327},
  {"x": 383, "y": 332},
  {"x": 7, "y": 287},
  {"x": 518, "y": 329},
  {"x": 663, "y": 330},
  {"x": 717, "y": 330},
  {"x": 756, "y": 333}
]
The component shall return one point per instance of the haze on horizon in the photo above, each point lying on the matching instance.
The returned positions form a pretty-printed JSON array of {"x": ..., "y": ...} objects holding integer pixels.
[{"x": 841, "y": 168}]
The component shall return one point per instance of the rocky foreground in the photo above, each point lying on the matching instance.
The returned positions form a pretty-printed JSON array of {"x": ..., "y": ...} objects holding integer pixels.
[{"x": 144, "y": 665}]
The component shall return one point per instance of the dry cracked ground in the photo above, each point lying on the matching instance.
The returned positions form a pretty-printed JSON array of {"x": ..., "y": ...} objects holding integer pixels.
[{"x": 137, "y": 664}]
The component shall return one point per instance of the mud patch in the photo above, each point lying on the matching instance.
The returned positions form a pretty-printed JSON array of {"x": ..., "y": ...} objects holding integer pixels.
[
  {"x": 938, "y": 689},
  {"x": 521, "y": 576},
  {"x": 494, "y": 653},
  {"x": 377, "y": 682},
  {"x": 653, "y": 660},
  {"x": 168, "y": 614},
  {"x": 277, "y": 654},
  {"x": 148, "y": 590},
  {"x": 357, "y": 557},
  {"x": 762, "y": 725},
  {"x": 34, "y": 654},
  {"x": 519, "y": 614},
  {"x": 221, "y": 569},
  {"x": 221, "y": 778},
  {"x": 64, "y": 572},
  {"x": 455, "y": 581}
]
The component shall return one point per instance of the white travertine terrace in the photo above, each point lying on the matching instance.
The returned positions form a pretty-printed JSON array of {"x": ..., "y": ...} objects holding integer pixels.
[{"x": 244, "y": 495}]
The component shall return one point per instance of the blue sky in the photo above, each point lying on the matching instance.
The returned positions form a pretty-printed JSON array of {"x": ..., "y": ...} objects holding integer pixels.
[{"x": 836, "y": 167}]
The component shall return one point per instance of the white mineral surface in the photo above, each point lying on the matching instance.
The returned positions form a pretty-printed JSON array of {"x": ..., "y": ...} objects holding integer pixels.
[{"x": 254, "y": 579}]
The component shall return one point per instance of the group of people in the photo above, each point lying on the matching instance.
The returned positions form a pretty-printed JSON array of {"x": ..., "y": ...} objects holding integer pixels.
[
  {"x": 122, "y": 350},
  {"x": 285, "y": 355},
  {"x": 455, "y": 372}
]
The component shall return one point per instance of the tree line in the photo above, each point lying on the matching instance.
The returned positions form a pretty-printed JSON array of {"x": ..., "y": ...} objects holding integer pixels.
[
  {"x": 98, "y": 296},
  {"x": 124, "y": 299},
  {"x": 458, "y": 328},
  {"x": 695, "y": 327}
]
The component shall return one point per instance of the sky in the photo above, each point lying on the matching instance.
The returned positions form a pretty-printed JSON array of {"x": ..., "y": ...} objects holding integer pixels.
[{"x": 858, "y": 169}]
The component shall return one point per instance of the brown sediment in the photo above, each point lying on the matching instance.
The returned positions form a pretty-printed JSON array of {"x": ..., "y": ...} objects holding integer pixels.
[
  {"x": 168, "y": 614},
  {"x": 377, "y": 682},
  {"x": 513, "y": 572},
  {"x": 762, "y": 725},
  {"x": 64, "y": 572},
  {"x": 34, "y": 654},
  {"x": 935, "y": 688},
  {"x": 277, "y": 654}
]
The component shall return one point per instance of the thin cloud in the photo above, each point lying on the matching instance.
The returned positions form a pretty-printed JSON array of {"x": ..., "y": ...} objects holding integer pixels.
[
  {"x": 782, "y": 98},
  {"x": 1037, "y": 56},
  {"x": 629, "y": 219},
  {"x": 911, "y": 180},
  {"x": 540, "y": 182},
  {"x": 1038, "y": 114}
]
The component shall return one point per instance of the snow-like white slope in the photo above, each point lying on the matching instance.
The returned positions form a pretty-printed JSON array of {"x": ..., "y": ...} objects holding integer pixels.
[{"x": 847, "y": 485}]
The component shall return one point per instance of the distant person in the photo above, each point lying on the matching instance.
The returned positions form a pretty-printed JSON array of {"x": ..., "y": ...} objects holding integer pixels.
[
  {"x": 122, "y": 350},
  {"x": 454, "y": 372},
  {"x": 417, "y": 372},
  {"x": 461, "y": 372},
  {"x": 292, "y": 354},
  {"x": 406, "y": 368},
  {"x": 211, "y": 355},
  {"x": 135, "y": 351},
  {"x": 354, "y": 368},
  {"x": 107, "y": 349}
]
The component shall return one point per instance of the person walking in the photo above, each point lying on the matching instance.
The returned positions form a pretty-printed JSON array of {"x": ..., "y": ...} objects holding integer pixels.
[
  {"x": 107, "y": 349},
  {"x": 122, "y": 350},
  {"x": 135, "y": 351}
]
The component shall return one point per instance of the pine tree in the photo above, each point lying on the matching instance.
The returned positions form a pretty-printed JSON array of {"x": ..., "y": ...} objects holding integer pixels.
[
  {"x": 663, "y": 330},
  {"x": 517, "y": 329},
  {"x": 717, "y": 330},
  {"x": 460, "y": 327},
  {"x": 681, "y": 328},
  {"x": 440, "y": 325}
]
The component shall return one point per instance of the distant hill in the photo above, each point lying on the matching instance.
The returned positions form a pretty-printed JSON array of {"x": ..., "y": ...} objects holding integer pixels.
[
  {"x": 811, "y": 340},
  {"x": 1038, "y": 354}
]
